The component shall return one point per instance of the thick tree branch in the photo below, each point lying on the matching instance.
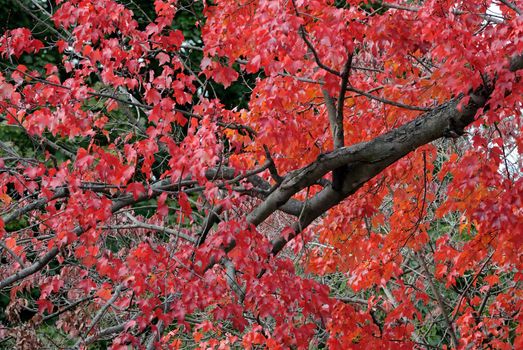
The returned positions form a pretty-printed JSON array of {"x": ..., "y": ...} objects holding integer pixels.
[
  {"x": 38, "y": 204},
  {"x": 212, "y": 218},
  {"x": 364, "y": 161},
  {"x": 28, "y": 271},
  {"x": 367, "y": 159},
  {"x": 109, "y": 331}
]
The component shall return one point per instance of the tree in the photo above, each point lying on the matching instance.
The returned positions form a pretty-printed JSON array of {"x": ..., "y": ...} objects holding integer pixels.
[{"x": 263, "y": 174}]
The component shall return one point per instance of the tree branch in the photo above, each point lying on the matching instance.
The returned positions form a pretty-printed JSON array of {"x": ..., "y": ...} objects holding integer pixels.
[
  {"x": 439, "y": 299},
  {"x": 303, "y": 34},
  {"x": 345, "y": 74},
  {"x": 103, "y": 333},
  {"x": 488, "y": 17},
  {"x": 367, "y": 159},
  {"x": 387, "y": 101},
  {"x": 511, "y": 6},
  {"x": 99, "y": 314},
  {"x": 336, "y": 128}
]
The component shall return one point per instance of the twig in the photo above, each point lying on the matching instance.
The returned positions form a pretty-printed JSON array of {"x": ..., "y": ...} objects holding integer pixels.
[
  {"x": 303, "y": 34},
  {"x": 345, "y": 74},
  {"x": 491, "y": 18},
  {"x": 439, "y": 299},
  {"x": 16, "y": 257},
  {"x": 66, "y": 308},
  {"x": 272, "y": 166},
  {"x": 99, "y": 314},
  {"x": 228, "y": 125},
  {"x": 387, "y": 101},
  {"x": 458, "y": 305},
  {"x": 504, "y": 152},
  {"x": 140, "y": 224}
]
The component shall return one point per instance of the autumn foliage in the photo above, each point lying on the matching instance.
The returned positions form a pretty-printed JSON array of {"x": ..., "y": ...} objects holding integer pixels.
[{"x": 363, "y": 191}]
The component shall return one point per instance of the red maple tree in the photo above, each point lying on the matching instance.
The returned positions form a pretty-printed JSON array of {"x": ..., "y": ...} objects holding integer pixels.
[{"x": 369, "y": 194}]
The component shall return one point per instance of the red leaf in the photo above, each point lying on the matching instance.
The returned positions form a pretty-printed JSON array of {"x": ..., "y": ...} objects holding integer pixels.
[
  {"x": 163, "y": 209},
  {"x": 163, "y": 58},
  {"x": 137, "y": 189},
  {"x": 184, "y": 204},
  {"x": 152, "y": 96},
  {"x": 223, "y": 75}
]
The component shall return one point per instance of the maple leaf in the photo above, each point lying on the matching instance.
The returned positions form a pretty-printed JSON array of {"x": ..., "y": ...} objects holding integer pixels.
[{"x": 137, "y": 189}]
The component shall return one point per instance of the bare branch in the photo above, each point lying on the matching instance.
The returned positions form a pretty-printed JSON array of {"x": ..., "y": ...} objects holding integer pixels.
[
  {"x": 439, "y": 299},
  {"x": 66, "y": 308},
  {"x": 387, "y": 101},
  {"x": 345, "y": 74},
  {"x": 28, "y": 271},
  {"x": 336, "y": 128},
  {"x": 13, "y": 255},
  {"x": 104, "y": 333},
  {"x": 99, "y": 314},
  {"x": 272, "y": 166},
  {"x": 140, "y": 224}
]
